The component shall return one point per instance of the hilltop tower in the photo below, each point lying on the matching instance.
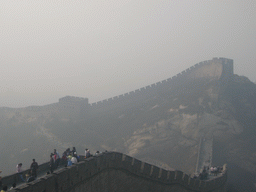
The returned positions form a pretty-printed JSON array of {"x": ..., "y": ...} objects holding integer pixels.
[
  {"x": 72, "y": 107},
  {"x": 220, "y": 70}
]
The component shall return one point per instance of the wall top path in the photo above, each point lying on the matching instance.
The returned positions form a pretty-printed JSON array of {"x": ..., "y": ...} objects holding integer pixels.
[
  {"x": 213, "y": 69},
  {"x": 89, "y": 168}
]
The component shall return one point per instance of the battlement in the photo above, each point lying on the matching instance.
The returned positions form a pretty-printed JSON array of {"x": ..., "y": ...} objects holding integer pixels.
[
  {"x": 220, "y": 69},
  {"x": 113, "y": 171},
  {"x": 215, "y": 69}
]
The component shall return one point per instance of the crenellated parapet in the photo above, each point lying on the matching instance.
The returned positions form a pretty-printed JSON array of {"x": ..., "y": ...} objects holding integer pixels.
[
  {"x": 215, "y": 69},
  {"x": 67, "y": 107},
  {"x": 113, "y": 171},
  {"x": 220, "y": 69}
]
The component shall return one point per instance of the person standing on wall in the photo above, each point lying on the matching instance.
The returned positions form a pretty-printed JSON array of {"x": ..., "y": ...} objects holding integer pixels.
[
  {"x": 56, "y": 158},
  {"x": 87, "y": 153},
  {"x": 73, "y": 151},
  {"x": 51, "y": 163},
  {"x": 73, "y": 160},
  {"x": 18, "y": 170},
  {"x": 34, "y": 167},
  {"x": 69, "y": 160}
]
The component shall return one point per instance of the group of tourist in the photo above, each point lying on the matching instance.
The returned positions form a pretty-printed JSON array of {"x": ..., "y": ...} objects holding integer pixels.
[
  {"x": 69, "y": 157},
  {"x": 213, "y": 170},
  {"x": 88, "y": 154},
  {"x": 54, "y": 160},
  {"x": 30, "y": 176}
]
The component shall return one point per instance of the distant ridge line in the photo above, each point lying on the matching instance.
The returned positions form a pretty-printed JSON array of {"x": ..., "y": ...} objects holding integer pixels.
[{"x": 79, "y": 107}]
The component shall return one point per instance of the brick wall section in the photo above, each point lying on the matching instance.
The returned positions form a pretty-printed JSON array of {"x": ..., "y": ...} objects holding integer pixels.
[
  {"x": 77, "y": 107},
  {"x": 217, "y": 68},
  {"x": 113, "y": 171}
]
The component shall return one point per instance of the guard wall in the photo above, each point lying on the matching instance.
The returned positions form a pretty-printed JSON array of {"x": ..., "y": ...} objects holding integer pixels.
[
  {"x": 215, "y": 69},
  {"x": 114, "y": 171},
  {"x": 77, "y": 107}
]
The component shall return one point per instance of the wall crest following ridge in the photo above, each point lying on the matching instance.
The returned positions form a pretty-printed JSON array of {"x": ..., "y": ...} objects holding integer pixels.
[{"x": 215, "y": 69}]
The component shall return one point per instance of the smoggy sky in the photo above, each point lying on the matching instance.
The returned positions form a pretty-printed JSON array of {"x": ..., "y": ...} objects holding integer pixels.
[{"x": 103, "y": 48}]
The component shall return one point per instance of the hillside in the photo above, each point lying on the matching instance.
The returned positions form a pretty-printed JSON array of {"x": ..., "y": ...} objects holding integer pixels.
[{"x": 163, "y": 129}]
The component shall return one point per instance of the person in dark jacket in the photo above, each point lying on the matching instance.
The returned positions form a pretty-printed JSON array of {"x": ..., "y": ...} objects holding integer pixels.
[
  {"x": 87, "y": 153},
  {"x": 73, "y": 150},
  {"x": 34, "y": 167},
  {"x": 51, "y": 164}
]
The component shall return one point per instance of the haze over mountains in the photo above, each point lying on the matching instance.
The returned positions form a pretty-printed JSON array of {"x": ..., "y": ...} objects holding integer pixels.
[
  {"x": 100, "y": 49},
  {"x": 163, "y": 129}
]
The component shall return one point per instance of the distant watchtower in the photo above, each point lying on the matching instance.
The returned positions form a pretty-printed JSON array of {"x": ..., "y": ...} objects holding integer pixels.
[
  {"x": 228, "y": 70},
  {"x": 72, "y": 107}
]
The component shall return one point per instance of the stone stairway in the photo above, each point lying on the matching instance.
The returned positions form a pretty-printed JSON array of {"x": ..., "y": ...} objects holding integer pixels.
[{"x": 204, "y": 154}]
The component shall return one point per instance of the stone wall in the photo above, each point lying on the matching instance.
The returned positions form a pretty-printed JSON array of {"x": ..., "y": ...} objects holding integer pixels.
[
  {"x": 114, "y": 171},
  {"x": 67, "y": 107},
  {"x": 14, "y": 178},
  {"x": 71, "y": 107},
  {"x": 215, "y": 69},
  {"x": 76, "y": 107}
]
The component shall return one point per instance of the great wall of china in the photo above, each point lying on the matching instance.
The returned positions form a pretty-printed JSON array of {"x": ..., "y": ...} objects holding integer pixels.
[
  {"x": 212, "y": 69},
  {"x": 113, "y": 171},
  {"x": 76, "y": 107}
]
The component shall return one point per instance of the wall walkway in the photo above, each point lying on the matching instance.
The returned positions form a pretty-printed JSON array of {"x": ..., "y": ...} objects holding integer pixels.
[
  {"x": 217, "y": 68},
  {"x": 204, "y": 158},
  {"x": 74, "y": 107},
  {"x": 113, "y": 171}
]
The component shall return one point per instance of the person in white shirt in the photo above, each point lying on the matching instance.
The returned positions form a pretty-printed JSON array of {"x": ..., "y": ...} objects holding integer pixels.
[
  {"x": 73, "y": 160},
  {"x": 19, "y": 170}
]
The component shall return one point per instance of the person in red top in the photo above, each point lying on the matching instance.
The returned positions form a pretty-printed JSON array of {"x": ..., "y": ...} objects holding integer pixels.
[{"x": 56, "y": 158}]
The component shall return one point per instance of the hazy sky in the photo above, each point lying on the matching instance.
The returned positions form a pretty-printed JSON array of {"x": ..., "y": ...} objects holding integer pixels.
[{"x": 103, "y": 48}]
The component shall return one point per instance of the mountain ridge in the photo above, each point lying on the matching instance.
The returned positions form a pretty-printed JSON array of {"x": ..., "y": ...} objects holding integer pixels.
[{"x": 163, "y": 128}]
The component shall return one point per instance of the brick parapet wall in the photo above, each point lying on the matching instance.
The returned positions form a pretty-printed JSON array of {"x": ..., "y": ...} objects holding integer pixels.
[
  {"x": 92, "y": 174},
  {"x": 76, "y": 107},
  {"x": 177, "y": 80}
]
